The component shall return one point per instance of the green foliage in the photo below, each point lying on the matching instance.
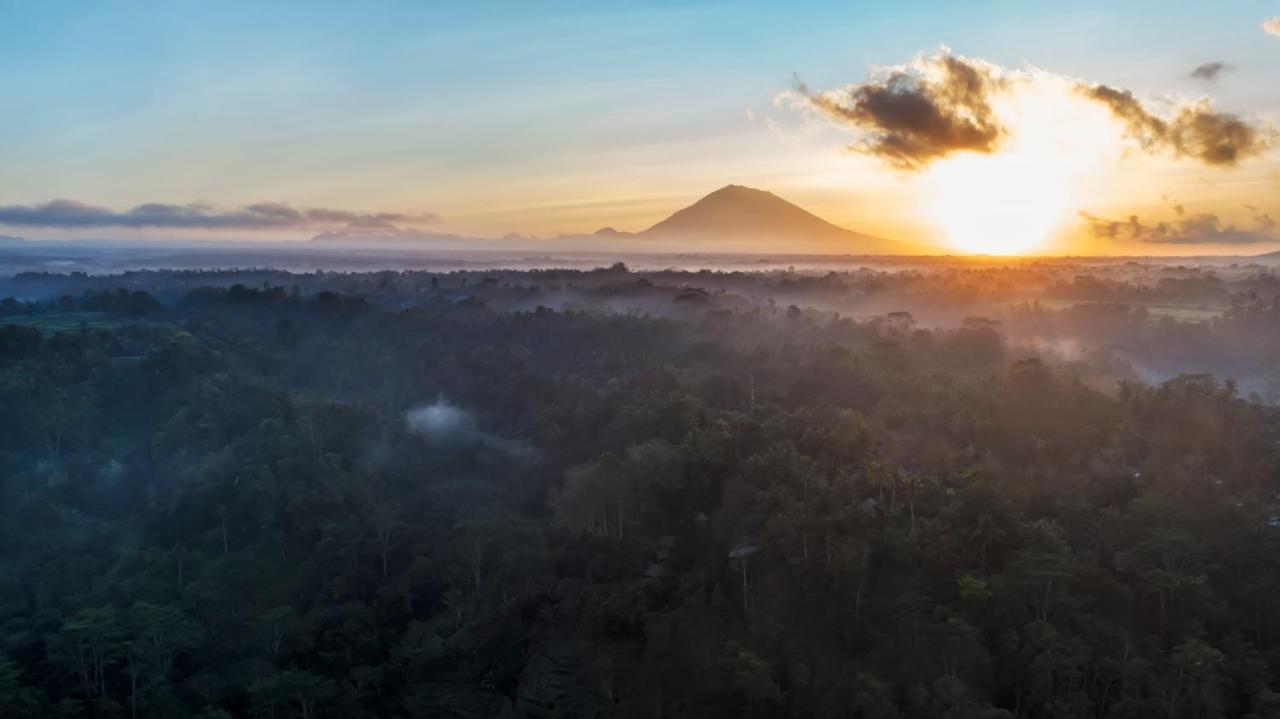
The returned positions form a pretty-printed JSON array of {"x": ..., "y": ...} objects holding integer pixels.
[{"x": 215, "y": 507}]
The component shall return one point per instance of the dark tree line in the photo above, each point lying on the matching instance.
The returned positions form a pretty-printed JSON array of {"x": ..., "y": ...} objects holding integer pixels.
[{"x": 291, "y": 500}]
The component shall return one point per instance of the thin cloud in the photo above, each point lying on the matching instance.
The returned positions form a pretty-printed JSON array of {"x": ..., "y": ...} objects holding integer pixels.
[
  {"x": 1271, "y": 26},
  {"x": 70, "y": 214},
  {"x": 374, "y": 232},
  {"x": 1203, "y": 228},
  {"x": 1261, "y": 219},
  {"x": 1210, "y": 71}
]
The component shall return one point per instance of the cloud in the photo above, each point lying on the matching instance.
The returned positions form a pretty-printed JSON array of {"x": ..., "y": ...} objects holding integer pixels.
[
  {"x": 933, "y": 107},
  {"x": 1271, "y": 26},
  {"x": 1261, "y": 219},
  {"x": 1195, "y": 130},
  {"x": 1210, "y": 71},
  {"x": 260, "y": 216},
  {"x": 1203, "y": 228},
  {"x": 919, "y": 112}
]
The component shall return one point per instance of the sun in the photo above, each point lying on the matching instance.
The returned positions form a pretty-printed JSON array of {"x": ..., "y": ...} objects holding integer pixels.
[
  {"x": 998, "y": 204},
  {"x": 1016, "y": 200}
]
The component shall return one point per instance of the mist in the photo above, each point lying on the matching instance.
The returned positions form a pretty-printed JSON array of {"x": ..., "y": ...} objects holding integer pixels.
[{"x": 447, "y": 426}]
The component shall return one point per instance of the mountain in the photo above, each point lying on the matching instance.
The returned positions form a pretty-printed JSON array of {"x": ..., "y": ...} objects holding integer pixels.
[
  {"x": 748, "y": 217},
  {"x": 9, "y": 240},
  {"x": 731, "y": 219}
]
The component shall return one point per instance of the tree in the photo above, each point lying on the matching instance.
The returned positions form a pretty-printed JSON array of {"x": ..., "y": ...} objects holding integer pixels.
[
  {"x": 16, "y": 699},
  {"x": 301, "y": 689},
  {"x": 158, "y": 634},
  {"x": 87, "y": 644}
]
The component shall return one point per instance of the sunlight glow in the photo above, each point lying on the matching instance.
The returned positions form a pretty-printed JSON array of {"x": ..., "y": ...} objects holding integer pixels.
[
  {"x": 998, "y": 205},
  {"x": 1014, "y": 201}
]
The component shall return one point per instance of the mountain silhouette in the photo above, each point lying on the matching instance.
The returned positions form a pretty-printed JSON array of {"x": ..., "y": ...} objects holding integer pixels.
[
  {"x": 745, "y": 215},
  {"x": 733, "y": 218}
]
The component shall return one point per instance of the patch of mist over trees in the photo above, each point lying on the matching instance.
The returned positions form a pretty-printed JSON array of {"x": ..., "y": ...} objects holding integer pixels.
[
  {"x": 1114, "y": 321},
  {"x": 918, "y": 493}
]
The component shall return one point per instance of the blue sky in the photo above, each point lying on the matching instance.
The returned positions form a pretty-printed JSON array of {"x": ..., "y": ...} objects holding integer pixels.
[{"x": 529, "y": 117}]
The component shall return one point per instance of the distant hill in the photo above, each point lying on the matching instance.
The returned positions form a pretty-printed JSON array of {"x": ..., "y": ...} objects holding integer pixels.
[
  {"x": 10, "y": 240},
  {"x": 393, "y": 238},
  {"x": 747, "y": 216}
]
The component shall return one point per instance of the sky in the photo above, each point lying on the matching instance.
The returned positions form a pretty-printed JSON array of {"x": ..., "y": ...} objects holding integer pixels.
[{"x": 267, "y": 121}]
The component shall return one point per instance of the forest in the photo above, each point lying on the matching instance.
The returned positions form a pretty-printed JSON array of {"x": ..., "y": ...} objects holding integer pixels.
[{"x": 1034, "y": 490}]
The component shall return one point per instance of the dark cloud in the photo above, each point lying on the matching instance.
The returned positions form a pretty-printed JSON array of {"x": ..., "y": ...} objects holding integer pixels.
[
  {"x": 1210, "y": 71},
  {"x": 936, "y": 106},
  {"x": 919, "y": 113},
  {"x": 1204, "y": 228},
  {"x": 260, "y": 216},
  {"x": 1195, "y": 131}
]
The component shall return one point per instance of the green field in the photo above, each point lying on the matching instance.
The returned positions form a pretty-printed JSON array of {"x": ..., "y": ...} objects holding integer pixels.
[
  {"x": 57, "y": 322},
  {"x": 1180, "y": 313}
]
